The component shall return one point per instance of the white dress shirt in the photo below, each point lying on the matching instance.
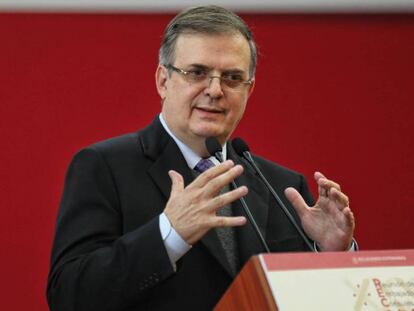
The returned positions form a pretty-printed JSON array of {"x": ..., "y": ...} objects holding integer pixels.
[{"x": 174, "y": 244}]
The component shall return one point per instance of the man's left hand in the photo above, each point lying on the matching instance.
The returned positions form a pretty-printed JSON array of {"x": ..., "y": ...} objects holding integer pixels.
[{"x": 330, "y": 223}]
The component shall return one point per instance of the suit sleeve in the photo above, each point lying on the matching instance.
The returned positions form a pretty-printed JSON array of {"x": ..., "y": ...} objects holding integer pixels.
[
  {"x": 304, "y": 191},
  {"x": 94, "y": 265}
]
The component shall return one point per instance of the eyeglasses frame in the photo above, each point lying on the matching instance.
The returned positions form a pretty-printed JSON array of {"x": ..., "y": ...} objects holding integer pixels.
[{"x": 210, "y": 77}]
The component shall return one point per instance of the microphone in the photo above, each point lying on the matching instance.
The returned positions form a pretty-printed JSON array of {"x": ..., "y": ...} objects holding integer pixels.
[
  {"x": 214, "y": 148},
  {"x": 241, "y": 148}
]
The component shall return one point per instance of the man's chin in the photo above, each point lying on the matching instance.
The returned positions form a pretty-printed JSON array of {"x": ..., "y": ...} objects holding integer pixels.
[
  {"x": 211, "y": 129},
  {"x": 213, "y": 133}
]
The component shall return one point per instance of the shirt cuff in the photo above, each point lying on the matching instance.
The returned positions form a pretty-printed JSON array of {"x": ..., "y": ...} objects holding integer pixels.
[
  {"x": 174, "y": 244},
  {"x": 354, "y": 246}
]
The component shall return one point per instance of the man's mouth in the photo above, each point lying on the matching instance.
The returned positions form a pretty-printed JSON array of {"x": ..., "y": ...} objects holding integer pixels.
[{"x": 210, "y": 109}]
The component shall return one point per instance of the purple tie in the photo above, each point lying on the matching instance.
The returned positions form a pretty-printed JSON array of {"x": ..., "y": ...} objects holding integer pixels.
[
  {"x": 203, "y": 165},
  {"x": 226, "y": 235}
]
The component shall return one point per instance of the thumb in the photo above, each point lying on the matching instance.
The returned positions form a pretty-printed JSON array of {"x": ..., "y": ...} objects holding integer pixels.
[
  {"x": 177, "y": 182},
  {"x": 296, "y": 200}
]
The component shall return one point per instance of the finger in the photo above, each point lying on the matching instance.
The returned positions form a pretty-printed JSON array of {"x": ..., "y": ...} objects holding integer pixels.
[
  {"x": 213, "y": 172},
  {"x": 325, "y": 185},
  {"x": 318, "y": 175},
  {"x": 350, "y": 218},
  {"x": 339, "y": 197},
  {"x": 222, "y": 221},
  {"x": 321, "y": 190},
  {"x": 177, "y": 182},
  {"x": 217, "y": 183},
  {"x": 227, "y": 198},
  {"x": 297, "y": 201}
]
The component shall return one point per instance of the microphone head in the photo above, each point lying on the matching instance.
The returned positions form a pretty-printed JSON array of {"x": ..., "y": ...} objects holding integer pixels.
[
  {"x": 240, "y": 146},
  {"x": 213, "y": 146}
]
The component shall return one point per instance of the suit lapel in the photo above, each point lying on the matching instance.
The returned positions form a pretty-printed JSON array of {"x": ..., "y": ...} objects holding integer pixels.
[
  {"x": 166, "y": 155},
  {"x": 170, "y": 159},
  {"x": 257, "y": 199}
]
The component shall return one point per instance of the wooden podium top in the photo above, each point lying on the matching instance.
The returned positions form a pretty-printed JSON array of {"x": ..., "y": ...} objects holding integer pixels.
[{"x": 250, "y": 290}]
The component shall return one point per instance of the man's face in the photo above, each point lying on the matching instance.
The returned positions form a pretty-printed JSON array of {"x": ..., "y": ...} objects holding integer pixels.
[{"x": 196, "y": 111}]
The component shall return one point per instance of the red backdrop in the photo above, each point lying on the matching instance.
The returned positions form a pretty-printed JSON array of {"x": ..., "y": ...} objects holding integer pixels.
[{"x": 334, "y": 93}]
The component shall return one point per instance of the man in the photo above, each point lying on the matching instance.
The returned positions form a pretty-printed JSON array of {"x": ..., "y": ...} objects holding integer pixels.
[{"x": 142, "y": 227}]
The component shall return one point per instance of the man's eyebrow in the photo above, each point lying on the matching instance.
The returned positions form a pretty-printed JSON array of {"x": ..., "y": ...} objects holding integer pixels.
[
  {"x": 199, "y": 66},
  {"x": 234, "y": 71},
  {"x": 207, "y": 68}
]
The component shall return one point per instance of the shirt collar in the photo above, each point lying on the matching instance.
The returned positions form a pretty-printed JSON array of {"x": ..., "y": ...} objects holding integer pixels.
[{"x": 190, "y": 156}]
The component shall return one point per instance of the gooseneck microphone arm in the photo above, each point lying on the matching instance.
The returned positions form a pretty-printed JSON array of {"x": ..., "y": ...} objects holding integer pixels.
[
  {"x": 214, "y": 148},
  {"x": 242, "y": 149}
]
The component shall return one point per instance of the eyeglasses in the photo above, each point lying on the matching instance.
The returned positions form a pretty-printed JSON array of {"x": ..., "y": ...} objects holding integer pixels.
[{"x": 232, "y": 81}]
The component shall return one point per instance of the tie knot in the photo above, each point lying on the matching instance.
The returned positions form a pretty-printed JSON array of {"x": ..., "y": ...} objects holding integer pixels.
[{"x": 203, "y": 165}]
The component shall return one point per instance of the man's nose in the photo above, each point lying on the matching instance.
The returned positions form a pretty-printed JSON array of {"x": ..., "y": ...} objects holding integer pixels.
[{"x": 214, "y": 88}]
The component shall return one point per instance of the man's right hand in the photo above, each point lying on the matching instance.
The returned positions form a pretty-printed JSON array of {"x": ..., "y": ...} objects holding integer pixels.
[{"x": 192, "y": 210}]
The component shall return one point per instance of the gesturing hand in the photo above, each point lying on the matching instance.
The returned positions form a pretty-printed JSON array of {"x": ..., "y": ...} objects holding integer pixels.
[
  {"x": 192, "y": 209},
  {"x": 330, "y": 222}
]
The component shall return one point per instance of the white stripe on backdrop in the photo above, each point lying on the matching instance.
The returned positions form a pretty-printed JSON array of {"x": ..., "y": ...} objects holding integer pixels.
[{"x": 374, "y": 6}]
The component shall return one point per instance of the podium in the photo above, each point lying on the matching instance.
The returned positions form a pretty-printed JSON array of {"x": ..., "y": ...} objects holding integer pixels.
[{"x": 363, "y": 280}]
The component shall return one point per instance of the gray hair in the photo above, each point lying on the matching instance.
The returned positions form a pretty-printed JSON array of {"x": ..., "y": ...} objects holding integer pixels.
[{"x": 208, "y": 20}]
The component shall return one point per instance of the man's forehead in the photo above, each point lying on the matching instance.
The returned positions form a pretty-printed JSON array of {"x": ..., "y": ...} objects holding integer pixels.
[{"x": 229, "y": 49}]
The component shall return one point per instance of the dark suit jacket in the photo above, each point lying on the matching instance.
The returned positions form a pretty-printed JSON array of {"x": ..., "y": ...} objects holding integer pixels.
[{"x": 108, "y": 253}]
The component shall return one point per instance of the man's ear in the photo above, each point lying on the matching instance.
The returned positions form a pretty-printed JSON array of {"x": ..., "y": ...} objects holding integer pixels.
[
  {"x": 251, "y": 88},
  {"x": 161, "y": 77}
]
